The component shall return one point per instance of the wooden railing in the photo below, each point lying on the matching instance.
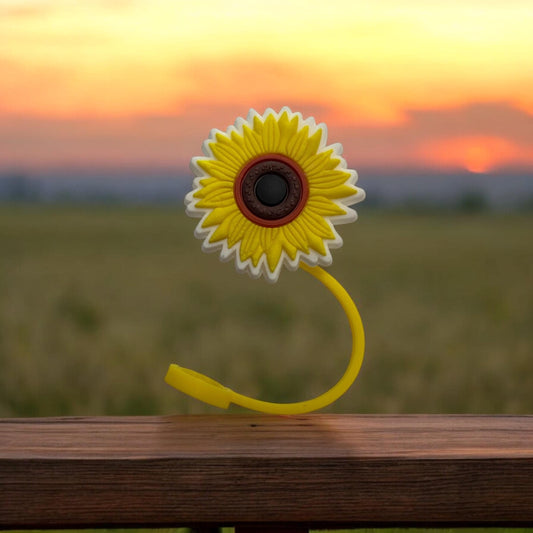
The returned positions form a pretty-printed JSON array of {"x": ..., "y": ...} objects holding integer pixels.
[{"x": 266, "y": 473}]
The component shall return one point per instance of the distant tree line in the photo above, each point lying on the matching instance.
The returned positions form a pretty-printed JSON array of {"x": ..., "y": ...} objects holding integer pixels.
[{"x": 17, "y": 187}]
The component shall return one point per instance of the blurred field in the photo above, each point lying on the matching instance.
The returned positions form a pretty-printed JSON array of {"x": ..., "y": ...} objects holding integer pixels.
[{"x": 96, "y": 302}]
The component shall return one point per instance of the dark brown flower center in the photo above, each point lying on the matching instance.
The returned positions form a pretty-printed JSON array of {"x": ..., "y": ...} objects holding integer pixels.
[{"x": 271, "y": 190}]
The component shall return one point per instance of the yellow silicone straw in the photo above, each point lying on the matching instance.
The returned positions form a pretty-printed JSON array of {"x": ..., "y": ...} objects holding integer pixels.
[{"x": 209, "y": 391}]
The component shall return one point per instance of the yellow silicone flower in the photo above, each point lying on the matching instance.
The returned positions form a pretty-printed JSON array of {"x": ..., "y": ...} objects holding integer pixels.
[{"x": 269, "y": 191}]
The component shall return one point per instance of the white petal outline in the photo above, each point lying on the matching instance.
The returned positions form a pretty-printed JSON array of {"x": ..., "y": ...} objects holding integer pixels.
[{"x": 227, "y": 253}]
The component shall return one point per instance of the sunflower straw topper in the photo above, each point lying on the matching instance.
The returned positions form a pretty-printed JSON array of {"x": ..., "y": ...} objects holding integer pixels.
[{"x": 268, "y": 193}]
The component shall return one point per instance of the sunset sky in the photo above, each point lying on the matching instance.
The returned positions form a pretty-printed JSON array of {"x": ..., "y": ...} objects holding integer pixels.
[{"x": 138, "y": 83}]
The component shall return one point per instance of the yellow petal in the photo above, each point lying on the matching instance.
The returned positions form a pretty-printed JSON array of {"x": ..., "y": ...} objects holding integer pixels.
[
  {"x": 322, "y": 206},
  {"x": 228, "y": 152},
  {"x": 290, "y": 249},
  {"x": 222, "y": 231},
  {"x": 319, "y": 163},
  {"x": 270, "y": 134},
  {"x": 311, "y": 146},
  {"x": 317, "y": 225},
  {"x": 250, "y": 243},
  {"x": 218, "y": 215},
  {"x": 287, "y": 129},
  {"x": 256, "y": 256},
  {"x": 341, "y": 191},
  {"x": 204, "y": 182},
  {"x": 267, "y": 235},
  {"x": 239, "y": 229},
  {"x": 258, "y": 125},
  {"x": 253, "y": 141},
  {"x": 216, "y": 199},
  {"x": 273, "y": 241},
  {"x": 247, "y": 150},
  {"x": 296, "y": 235},
  {"x": 329, "y": 178},
  {"x": 217, "y": 169},
  {"x": 232, "y": 142},
  {"x": 317, "y": 244},
  {"x": 214, "y": 187},
  {"x": 274, "y": 254},
  {"x": 297, "y": 145}
]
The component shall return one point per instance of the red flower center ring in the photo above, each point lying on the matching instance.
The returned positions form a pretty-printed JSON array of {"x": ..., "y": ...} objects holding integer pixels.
[{"x": 271, "y": 190}]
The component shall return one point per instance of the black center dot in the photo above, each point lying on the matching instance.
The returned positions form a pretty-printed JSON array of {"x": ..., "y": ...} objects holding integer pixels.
[{"x": 271, "y": 189}]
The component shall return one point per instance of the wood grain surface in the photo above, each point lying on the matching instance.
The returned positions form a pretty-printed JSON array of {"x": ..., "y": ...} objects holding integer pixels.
[{"x": 313, "y": 470}]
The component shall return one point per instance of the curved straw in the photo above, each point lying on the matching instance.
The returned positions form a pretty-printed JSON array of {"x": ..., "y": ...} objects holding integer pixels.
[{"x": 212, "y": 392}]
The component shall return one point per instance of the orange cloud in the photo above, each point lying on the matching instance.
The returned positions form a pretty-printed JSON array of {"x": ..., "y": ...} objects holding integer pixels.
[
  {"x": 479, "y": 137},
  {"x": 478, "y": 154},
  {"x": 366, "y": 66}
]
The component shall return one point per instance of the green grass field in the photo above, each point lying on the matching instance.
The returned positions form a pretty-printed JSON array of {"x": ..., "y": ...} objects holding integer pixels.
[{"x": 96, "y": 302}]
